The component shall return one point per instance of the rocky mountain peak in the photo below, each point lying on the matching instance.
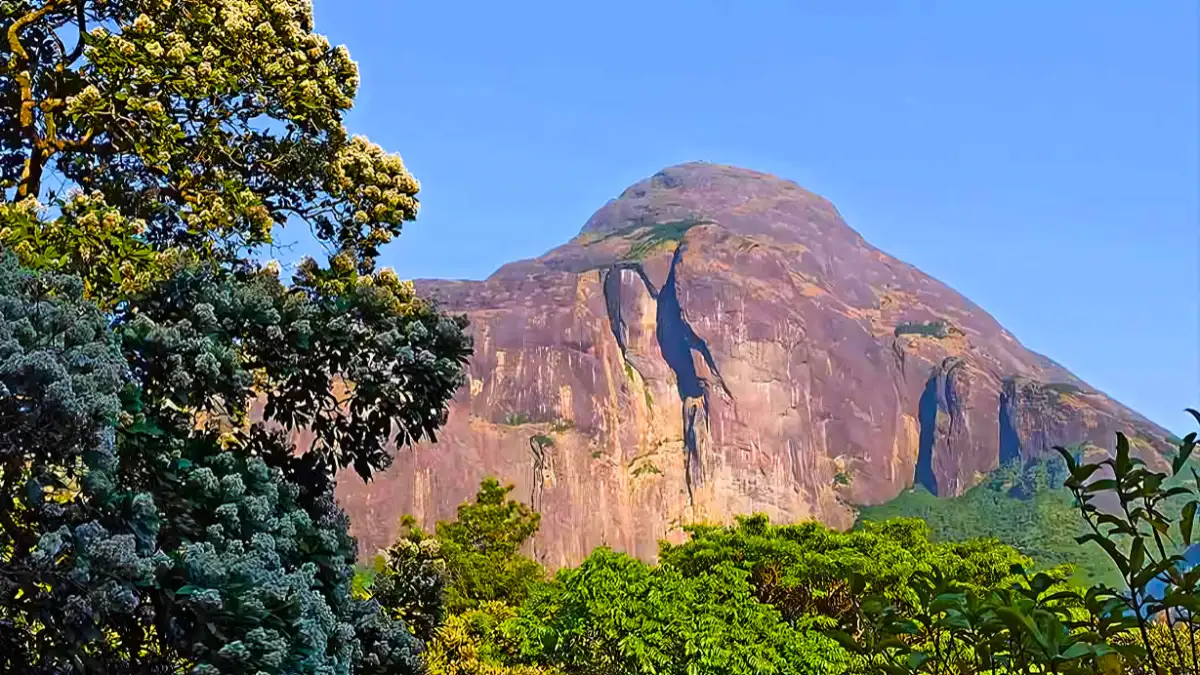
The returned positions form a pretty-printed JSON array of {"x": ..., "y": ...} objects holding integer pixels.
[
  {"x": 718, "y": 341},
  {"x": 745, "y": 201}
]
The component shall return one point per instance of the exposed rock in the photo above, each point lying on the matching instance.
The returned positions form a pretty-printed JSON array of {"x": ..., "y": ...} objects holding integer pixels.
[{"x": 717, "y": 341}]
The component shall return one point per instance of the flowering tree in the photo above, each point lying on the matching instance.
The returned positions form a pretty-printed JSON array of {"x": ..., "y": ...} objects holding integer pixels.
[{"x": 149, "y": 151}]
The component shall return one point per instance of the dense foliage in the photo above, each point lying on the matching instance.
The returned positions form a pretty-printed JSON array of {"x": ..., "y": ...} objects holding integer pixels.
[
  {"x": 156, "y": 514},
  {"x": 804, "y": 570},
  {"x": 1146, "y": 624},
  {"x": 747, "y": 598},
  {"x": 884, "y": 598},
  {"x": 482, "y": 550},
  {"x": 1023, "y": 504},
  {"x": 615, "y": 614}
]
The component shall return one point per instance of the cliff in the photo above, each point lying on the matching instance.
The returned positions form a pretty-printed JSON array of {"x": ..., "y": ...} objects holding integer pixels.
[{"x": 717, "y": 341}]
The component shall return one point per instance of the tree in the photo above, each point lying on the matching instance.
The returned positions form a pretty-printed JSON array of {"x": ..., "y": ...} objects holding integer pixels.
[
  {"x": 615, "y": 614},
  {"x": 482, "y": 550},
  {"x": 474, "y": 643},
  {"x": 804, "y": 570},
  {"x": 184, "y": 136},
  {"x": 411, "y": 581},
  {"x": 61, "y": 376},
  {"x": 211, "y": 122}
]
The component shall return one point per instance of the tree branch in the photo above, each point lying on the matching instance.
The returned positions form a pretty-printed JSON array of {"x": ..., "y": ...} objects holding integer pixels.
[
  {"x": 81, "y": 20},
  {"x": 31, "y": 175}
]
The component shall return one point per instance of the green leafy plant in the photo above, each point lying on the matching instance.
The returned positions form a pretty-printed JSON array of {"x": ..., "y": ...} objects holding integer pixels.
[
  {"x": 615, "y": 614},
  {"x": 410, "y": 581},
  {"x": 481, "y": 550},
  {"x": 934, "y": 329},
  {"x": 951, "y": 628},
  {"x": 1137, "y": 536}
]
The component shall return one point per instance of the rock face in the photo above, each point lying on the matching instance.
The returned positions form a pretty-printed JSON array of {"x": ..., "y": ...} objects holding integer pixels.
[{"x": 717, "y": 341}]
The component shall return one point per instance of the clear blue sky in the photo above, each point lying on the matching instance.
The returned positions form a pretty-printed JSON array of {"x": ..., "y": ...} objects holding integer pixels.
[{"x": 1039, "y": 157}]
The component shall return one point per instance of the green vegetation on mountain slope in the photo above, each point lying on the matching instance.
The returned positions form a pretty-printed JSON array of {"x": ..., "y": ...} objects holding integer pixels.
[{"x": 1023, "y": 505}]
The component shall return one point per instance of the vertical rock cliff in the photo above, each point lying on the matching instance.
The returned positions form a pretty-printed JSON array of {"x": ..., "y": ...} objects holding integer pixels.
[{"x": 718, "y": 341}]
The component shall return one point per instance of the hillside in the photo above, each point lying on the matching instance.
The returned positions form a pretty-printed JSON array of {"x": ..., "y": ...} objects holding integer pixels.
[
  {"x": 1023, "y": 505},
  {"x": 718, "y": 341}
]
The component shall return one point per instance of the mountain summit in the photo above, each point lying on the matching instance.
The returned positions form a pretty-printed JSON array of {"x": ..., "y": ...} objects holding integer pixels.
[{"x": 718, "y": 341}]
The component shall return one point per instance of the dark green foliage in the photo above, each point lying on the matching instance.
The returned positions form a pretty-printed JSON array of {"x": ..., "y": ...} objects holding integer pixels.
[
  {"x": 147, "y": 519},
  {"x": 261, "y": 567},
  {"x": 150, "y": 541},
  {"x": 935, "y": 329},
  {"x": 411, "y": 581},
  {"x": 211, "y": 340},
  {"x": 482, "y": 547},
  {"x": 69, "y": 562}
]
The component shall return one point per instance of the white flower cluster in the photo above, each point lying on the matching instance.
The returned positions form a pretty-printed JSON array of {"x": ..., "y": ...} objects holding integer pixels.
[{"x": 376, "y": 185}]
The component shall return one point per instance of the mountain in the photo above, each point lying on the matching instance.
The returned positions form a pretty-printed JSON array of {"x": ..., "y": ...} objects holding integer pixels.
[{"x": 717, "y": 341}]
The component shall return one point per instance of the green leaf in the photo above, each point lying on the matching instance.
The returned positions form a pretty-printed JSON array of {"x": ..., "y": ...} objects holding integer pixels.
[
  {"x": 1187, "y": 520},
  {"x": 1137, "y": 553},
  {"x": 1194, "y": 413},
  {"x": 1122, "y": 464},
  {"x": 1185, "y": 453},
  {"x": 1077, "y": 651}
]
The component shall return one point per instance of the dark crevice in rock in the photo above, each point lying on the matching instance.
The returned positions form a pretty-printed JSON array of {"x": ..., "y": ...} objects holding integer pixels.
[
  {"x": 898, "y": 353},
  {"x": 612, "y": 301},
  {"x": 940, "y": 414},
  {"x": 610, "y": 282},
  {"x": 676, "y": 341},
  {"x": 949, "y": 401},
  {"x": 693, "y": 470},
  {"x": 1010, "y": 440},
  {"x": 927, "y": 410}
]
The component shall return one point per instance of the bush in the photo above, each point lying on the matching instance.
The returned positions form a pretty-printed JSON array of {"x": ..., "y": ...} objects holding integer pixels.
[{"x": 935, "y": 329}]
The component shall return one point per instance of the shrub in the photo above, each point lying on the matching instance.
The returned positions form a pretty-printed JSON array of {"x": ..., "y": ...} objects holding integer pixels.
[{"x": 934, "y": 329}]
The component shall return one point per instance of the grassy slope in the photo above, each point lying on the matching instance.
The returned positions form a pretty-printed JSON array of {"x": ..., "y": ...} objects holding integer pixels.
[{"x": 1016, "y": 505}]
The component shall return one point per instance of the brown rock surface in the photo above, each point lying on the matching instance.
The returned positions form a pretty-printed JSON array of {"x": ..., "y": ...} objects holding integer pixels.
[{"x": 717, "y": 341}]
